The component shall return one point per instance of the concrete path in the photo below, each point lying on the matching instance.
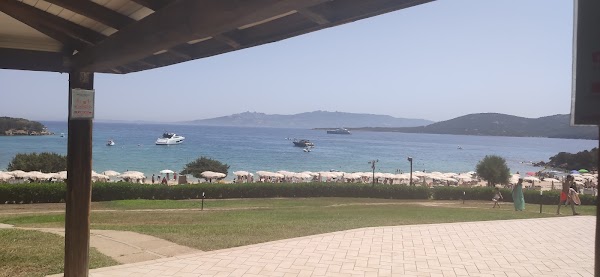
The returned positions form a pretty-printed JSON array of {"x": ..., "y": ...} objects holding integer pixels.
[
  {"x": 123, "y": 246},
  {"x": 128, "y": 247},
  {"x": 561, "y": 246}
]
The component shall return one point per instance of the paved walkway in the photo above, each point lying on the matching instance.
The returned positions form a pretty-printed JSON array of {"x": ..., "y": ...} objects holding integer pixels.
[
  {"x": 123, "y": 246},
  {"x": 561, "y": 246}
]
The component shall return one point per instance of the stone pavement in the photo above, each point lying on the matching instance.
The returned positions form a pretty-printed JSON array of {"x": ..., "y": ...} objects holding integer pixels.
[{"x": 559, "y": 246}]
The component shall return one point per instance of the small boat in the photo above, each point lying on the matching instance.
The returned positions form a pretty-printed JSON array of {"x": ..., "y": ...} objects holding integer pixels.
[
  {"x": 62, "y": 135},
  {"x": 339, "y": 131},
  {"x": 303, "y": 143},
  {"x": 306, "y": 149},
  {"x": 110, "y": 142},
  {"x": 169, "y": 139},
  {"x": 459, "y": 147}
]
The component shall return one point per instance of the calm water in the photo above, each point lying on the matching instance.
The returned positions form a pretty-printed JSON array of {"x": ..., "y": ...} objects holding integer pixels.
[{"x": 254, "y": 149}]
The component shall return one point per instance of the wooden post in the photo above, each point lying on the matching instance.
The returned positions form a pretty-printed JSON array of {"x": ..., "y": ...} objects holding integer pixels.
[{"x": 79, "y": 181}]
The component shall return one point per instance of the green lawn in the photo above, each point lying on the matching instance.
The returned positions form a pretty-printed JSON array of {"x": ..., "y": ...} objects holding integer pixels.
[
  {"x": 33, "y": 253},
  {"x": 229, "y": 223}
]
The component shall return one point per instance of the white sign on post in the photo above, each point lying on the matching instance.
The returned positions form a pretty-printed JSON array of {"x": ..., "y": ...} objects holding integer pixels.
[{"x": 82, "y": 104}]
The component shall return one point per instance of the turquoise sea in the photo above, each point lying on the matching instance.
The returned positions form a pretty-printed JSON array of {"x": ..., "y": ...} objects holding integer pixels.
[{"x": 271, "y": 149}]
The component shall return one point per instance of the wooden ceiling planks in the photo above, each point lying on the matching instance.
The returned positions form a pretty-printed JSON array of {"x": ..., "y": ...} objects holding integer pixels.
[{"x": 156, "y": 33}]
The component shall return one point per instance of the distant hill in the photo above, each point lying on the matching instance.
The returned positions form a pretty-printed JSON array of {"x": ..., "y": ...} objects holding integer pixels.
[
  {"x": 317, "y": 119},
  {"x": 494, "y": 124},
  {"x": 10, "y": 126}
]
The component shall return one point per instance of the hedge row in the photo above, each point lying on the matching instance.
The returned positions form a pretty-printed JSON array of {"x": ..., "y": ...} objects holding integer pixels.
[
  {"x": 486, "y": 193},
  {"x": 56, "y": 192}
]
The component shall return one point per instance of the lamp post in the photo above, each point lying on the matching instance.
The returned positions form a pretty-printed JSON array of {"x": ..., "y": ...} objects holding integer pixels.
[
  {"x": 410, "y": 160},
  {"x": 373, "y": 167}
]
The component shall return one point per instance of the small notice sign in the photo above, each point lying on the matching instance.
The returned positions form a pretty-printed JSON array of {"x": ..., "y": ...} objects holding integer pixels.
[{"x": 82, "y": 104}]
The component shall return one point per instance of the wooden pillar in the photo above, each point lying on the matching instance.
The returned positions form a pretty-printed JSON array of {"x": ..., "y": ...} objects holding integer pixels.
[{"x": 79, "y": 181}]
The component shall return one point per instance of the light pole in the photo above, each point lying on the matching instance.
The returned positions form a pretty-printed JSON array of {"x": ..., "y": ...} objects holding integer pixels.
[
  {"x": 410, "y": 160},
  {"x": 373, "y": 167}
]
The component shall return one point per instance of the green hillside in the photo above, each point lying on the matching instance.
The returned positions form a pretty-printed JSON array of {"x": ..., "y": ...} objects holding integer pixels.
[
  {"x": 20, "y": 126},
  {"x": 494, "y": 124}
]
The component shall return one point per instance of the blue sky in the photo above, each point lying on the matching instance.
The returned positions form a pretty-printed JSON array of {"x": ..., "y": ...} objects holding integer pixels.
[{"x": 435, "y": 61}]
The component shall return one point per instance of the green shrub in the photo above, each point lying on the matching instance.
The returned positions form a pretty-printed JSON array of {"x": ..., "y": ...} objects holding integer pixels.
[
  {"x": 44, "y": 162},
  {"x": 32, "y": 193},
  {"x": 44, "y": 193},
  {"x": 56, "y": 192},
  {"x": 486, "y": 193}
]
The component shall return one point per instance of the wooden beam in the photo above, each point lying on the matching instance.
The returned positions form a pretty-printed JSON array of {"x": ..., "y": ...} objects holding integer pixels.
[
  {"x": 79, "y": 185},
  {"x": 70, "y": 34},
  {"x": 178, "y": 23},
  {"x": 314, "y": 17},
  {"x": 154, "y": 5},
  {"x": 33, "y": 60},
  {"x": 96, "y": 12}
]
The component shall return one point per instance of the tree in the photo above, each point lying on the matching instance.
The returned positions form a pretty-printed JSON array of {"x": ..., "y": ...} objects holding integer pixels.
[
  {"x": 493, "y": 169},
  {"x": 45, "y": 162},
  {"x": 204, "y": 164}
]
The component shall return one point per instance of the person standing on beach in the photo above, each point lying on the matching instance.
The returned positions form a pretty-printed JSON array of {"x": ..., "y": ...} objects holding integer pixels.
[
  {"x": 518, "y": 197},
  {"x": 565, "y": 195},
  {"x": 497, "y": 197}
]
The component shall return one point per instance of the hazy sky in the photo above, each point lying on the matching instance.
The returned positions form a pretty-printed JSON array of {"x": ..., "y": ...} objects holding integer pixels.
[{"x": 435, "y": 61}]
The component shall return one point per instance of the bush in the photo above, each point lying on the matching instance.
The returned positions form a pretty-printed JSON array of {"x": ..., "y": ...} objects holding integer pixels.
[
  {"x": 486, "y": 194},
  {"x": 44, "y": 162},
  {"x": 56, "y": 192},
  {"x": 32, "y": 193},
  {"x": 494, "y": 170},
  {"x": 46, "y": 193},
  {"x": 202, "y": 164}
]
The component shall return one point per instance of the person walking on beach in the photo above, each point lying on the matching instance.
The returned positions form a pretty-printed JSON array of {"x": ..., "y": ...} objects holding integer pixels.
[
  {"x": 497, "y": 197},
  {"x": 518, "y": 197},
  {"x": 565, "y": 195},
  {"x": 153, "y": 178}
]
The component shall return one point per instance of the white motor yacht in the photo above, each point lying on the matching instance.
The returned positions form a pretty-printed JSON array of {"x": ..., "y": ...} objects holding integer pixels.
[
  {"x": 110, "y": 143},
  {"x": 169, "y": 139}
]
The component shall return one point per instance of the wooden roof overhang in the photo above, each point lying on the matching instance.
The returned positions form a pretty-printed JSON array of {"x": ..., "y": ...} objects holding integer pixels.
[{"x": 123, "y": 36}]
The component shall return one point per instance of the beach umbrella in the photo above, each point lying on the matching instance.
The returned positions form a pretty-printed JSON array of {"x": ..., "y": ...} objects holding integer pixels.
[
  {"x": 61, "y": 175},
  {"x": 111, "y": 173},
  {"x": 583, "y": 171},
  {"x": 212, "y": 175},
  {"x": 419, "y": 174},
  {"x": 4, "y": 176},
  {"x": 97, "y": 177},
  {"x": 302, "y": 175},
  {"x": 166, "y": 171},
  {"x": 531, "y": 173},
  {"x": 263, "y": 173},
  {"x": 241, "y": 173},
  {"x": 36, "y": 175},
  {"x": 132, "y": 175},
  {"x": 352, "y": 176},
  {"x": 18, "y": 173},
  {"x": 551, "y": 180}
]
